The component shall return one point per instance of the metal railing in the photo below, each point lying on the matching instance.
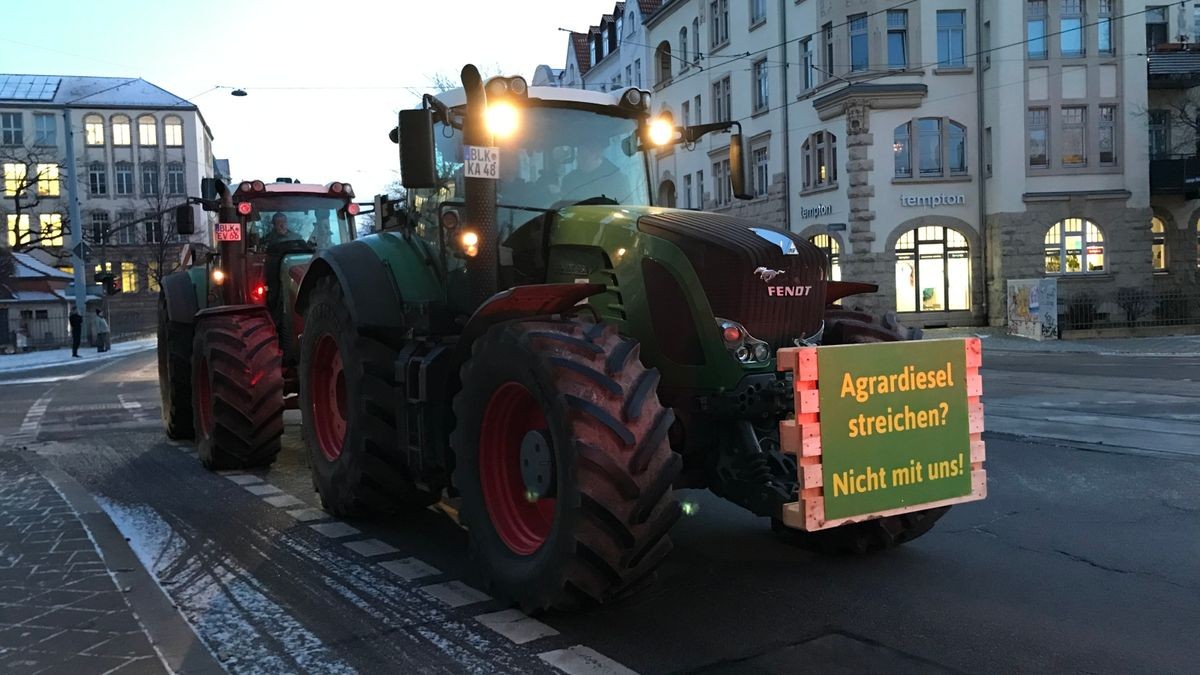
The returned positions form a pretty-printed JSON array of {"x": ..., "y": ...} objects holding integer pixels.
[{"x": 1128, "y": 308}]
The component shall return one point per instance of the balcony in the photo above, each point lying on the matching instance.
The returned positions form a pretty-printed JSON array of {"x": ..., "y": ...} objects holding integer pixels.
[
  {"x": 1175, "y": 175},
  {"x": 1174, "y": 66}
]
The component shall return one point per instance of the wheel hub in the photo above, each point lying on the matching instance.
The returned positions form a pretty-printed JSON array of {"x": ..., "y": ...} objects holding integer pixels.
[{"x": 537, "y": 465}]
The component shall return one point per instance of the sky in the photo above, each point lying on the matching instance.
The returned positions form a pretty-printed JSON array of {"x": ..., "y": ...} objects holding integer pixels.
[{"x": 324, "y": 79}]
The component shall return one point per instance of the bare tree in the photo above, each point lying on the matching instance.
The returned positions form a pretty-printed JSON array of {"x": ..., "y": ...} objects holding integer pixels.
[
  {"x": 31, "y": 175},
  {"x": 1182, "y": 113}
]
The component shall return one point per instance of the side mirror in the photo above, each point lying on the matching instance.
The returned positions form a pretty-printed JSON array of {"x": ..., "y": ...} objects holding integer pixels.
[
  {"x": 185, "y": 219},
  {"x": 418, "y": 163},
  {"x": 737, "y": 167},
  {"x": 208, "y": 193}
]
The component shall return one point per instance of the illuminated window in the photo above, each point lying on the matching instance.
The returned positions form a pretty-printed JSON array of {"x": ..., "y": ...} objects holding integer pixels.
[
  {"x": 93, "y": 130},
  {"x": 173, "y": 132},
  {"x": 1158, "y": 249},
  {"x": 147, "y": 131},
  {"x": 819, "y": 153},
  {"x": 933, "y": 270},
  {"x": 50, "y": 230},
  {"x": 129, "y": 277},
  {"x": 153, "y": 274},
  {"x": 121, "y": 130},
  {"x": 18, "y": 230},
  {"x": 832, "y": 251},
  {"x": 14, "y": 179},
  {"x": 47, "y": 180},
  {"x": 1074, "y": 246}
]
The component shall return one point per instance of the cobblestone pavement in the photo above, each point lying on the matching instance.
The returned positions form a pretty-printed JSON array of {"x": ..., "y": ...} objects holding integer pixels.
[{"x": 60, "y": 610}]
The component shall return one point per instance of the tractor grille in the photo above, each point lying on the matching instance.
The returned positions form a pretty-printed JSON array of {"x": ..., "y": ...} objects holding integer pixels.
[{"x": 777, "y": 296}]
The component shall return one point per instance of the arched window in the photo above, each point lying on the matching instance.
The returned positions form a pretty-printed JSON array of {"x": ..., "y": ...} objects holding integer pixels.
[
  {"x": 93, "y": 130},
  {"x": 683, "y": 45},
  {"x": 819, "y": 153},
  {"x": 121, "y": 130},
  {"x": 173, "y": 131},
  {"x": 832, "y": 251},
  {"x": 933, "y": 270},
  {"x": 666, "y": 194},
  {"x": 147, "y": 131},
  {"x": 696, "y": 40},
  {"x": 940, "y": 148},
  {"x": 662, "y": 58},
  {"x": 1158, "y": 247},
  {"x": 1074, "y": 246}
]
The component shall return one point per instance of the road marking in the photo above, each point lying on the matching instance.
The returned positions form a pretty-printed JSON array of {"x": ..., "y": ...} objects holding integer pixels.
[
  {"x": 33, "y": 420},
  {"x": 335, "y": 530},
  {"x": 516, "y": 625},
  {"x": 410, "y": 568},
  {"x": 456, "y": 593},
  {"x": 580, "y": 660},
  {"x": 242, "y": 478},
  {"x": 283, "y": 501},
  {"x": 371, "y": 548},
  {"x": 262, "y": 490},
  {"x": 306, "y": 515}
]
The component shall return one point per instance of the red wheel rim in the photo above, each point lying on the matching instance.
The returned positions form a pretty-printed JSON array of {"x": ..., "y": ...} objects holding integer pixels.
[
  {"x": 522, "y": 525},
  {"x": 327, "y": 391},
  {"x": 204, "y": 398}
]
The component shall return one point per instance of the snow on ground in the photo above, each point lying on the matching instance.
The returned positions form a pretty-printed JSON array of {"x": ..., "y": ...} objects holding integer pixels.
[{"x": 59, "y": 357}]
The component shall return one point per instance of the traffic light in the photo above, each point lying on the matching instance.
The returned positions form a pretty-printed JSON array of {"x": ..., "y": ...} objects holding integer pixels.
[{"x": 110, "y": 281}]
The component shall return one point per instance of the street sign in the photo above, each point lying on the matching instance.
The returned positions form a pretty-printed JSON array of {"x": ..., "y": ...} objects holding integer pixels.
[
  {"x": 82, "y": 250},
  {"x": 229, "y": 231},
  {"x": 481, "y": 161}
]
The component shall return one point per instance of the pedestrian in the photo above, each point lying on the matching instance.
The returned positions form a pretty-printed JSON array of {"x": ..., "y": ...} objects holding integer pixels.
[
  {"x": 76, "y": 331},
  {"x": 102, "y": 344}
]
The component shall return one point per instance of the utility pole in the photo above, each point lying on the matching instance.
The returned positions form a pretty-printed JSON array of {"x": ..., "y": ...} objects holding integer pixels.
[{"x": 78, "y": 260}]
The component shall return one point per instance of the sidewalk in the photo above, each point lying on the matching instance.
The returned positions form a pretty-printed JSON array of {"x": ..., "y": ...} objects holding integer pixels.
[
  {"x": 995, "y": 338},
  {"x": 61, "y": 357}
]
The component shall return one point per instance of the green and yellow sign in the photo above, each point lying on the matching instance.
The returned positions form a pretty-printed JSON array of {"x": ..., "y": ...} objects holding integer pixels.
[{"x": 894, "y": 425}]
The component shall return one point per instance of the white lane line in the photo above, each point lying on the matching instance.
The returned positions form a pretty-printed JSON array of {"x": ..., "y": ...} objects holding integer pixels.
[
  {"x": 456, "y": 593},
  {"x": 132, "y": 407},
  {"x": 516, "y": 625},
  {"x": 580, "y": 660},
  {"x": 410, "y": 568},
  {"x": 241, "y": 478},
  {"x": 308, "y": 515},
  {"x": 335, "y": 530},
  {"x": 33, "y": 420},
  {"x": 262, "y": 490},
  {"x": 283, "y": 501},
  {"x": 369, "y": 548}
]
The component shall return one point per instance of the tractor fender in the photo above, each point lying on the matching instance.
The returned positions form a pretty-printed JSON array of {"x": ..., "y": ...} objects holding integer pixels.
[
  {"x": 522, "y": 302},
  {"x": 371, "y": 295},
  {"x": 181, "y": 297},
  {"x": 225, "y": 310}
]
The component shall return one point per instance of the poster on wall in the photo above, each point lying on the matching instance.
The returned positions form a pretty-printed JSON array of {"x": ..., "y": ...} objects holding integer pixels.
[{"x": 1033, "y": 308}]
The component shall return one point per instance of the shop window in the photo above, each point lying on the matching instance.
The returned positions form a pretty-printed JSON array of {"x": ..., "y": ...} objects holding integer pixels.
[
  {"x": 933, "y": 270},
  {"x": 1158, "y": 247},
  {"x": 833, "y": 251},
  {"x": 1074, "y": 246}
]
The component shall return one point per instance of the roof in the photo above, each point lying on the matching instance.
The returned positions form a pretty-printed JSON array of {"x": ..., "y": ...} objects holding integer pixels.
[
  {"x": 27, "y": 267},
  {"x": 583, "y": 53},
  {"x": 35, "y": 296},
  {"x": 649, "y": 7},
  {"x": 116, "y": 92},
  {"x": 458, "y": 97},
  {"x": 1174, "y": 69}
]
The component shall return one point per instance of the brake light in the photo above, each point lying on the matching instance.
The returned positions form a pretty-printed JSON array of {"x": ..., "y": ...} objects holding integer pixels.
[
  {"x": 244, "y": 208},
  {"x": 732, "y": 334},
  {"x": 258, "y": 293}
]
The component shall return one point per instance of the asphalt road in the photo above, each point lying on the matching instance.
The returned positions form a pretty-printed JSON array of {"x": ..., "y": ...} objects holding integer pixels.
[{"x": 1084, "y": 558}]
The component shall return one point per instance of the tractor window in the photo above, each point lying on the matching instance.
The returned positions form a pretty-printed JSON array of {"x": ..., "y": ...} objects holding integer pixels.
[{"x": 319, "y": 221}]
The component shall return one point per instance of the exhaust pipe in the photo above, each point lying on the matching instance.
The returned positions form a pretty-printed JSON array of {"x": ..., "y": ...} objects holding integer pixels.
[{"x": 481, "y": 193}]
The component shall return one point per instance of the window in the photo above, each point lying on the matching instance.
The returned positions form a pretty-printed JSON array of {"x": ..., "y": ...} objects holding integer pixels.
[
  {"x": 1159, "y": 124},
  {"x": 14, "y": 179},
  {"x": 619, "y": 33},
  {"x": 1108, "y": 135},
  {"x": 124, "y": 178},
  {"x": 1074, "y": 136},
  {"x": 154, "y": 229},
  {"x": 761, "y": 86},
  {"x": 827, "y": 49},
  {"x": 687, "y": 191},
  {"x": 929, "y": 146},
  {"x": 722, "y": 188},
  {"x": 1074, "y": 246},
  {"x": 762, "y": 171},
  {"x": 1104, "y": 28},
  {"x": 951, "y": 37},
  {"x": 632, "y": 23},
  {"x": 1039, "y": 137},
  {"x": 173, "y": 132},
  {"x": 97, "y": 179},
  {"x": 93, "y": 130},
  {"x": 663, "y": 58},
  {"x": 758, "y": 12},
  {"x": 987, "y": 151},
  {"x": 1070, "y": 26},
  {"x": 149, "y": 178},
  {"x": 1035, "y": 29},
  {"x": 1156, "y": 26},
  {"x": 100, "y": 227},
  {"x": 124, "y": 230},
  {"x": 956, "y": 149},
  {"x": 985, "y": 44},
  {"x": 933, "y": 270},
  {"x": 121, "y": 130},
  {"x": 18, "y": 230},
  {"x": 700, "y": 189},
  {"x": 696, "y": 40},
  {"x": 45, "y": 129},
  {"x": 859, "y": 58},
  {"x": 832, "y": 250},
  {"x": 1158, "y": 246},
  {"x": 129, "y": 277},
  {"x": 628, "y": 75},
  {"x": 176, "y": 184},
  {"x": 698, "y": 110},
  {"x": 50, "y": 230},
  {"x": 153, "y": 275},
  {"x": 722, "y": 101},
  {"x": 897, "y": 39},
  {"x": 718, "y": 23},
  {"x": 147, "y": 131},
  {"x": 41, "y": 314},
  {"x": 47, "y": 180},
  {"x": 819, "y": 154},
  {"x": 683, "y": 47},
  {"x": 637, "y": 73},
  {"x": 806, "y": 63},
  {"x": 902, "y": 149},
  {"x": 12, "y": 131},
  {"x": 941, "y": 148}
]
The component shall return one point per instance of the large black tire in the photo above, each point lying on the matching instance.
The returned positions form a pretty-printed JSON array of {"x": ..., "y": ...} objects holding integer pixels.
[
  {"x": 175, "y": 373},
  {"x": 844, "y": 326},
  {"x": 237, "y": 391},
  {"x": 581, "y": 393},
  {"x": 348, "y": 401}
]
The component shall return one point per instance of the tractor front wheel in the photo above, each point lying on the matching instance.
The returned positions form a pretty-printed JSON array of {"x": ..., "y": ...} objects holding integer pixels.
[
  {"x": 237, "y": 391},
  {"x": 175, "y": 373},
  {"x": 563, "y": 463}
]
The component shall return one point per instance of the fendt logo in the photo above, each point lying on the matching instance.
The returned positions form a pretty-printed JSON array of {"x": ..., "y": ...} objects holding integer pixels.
[{"x": 767, "y": 275}]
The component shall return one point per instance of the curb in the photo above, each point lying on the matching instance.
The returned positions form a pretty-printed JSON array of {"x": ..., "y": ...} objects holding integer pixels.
[{"x": 107, "y": 356}]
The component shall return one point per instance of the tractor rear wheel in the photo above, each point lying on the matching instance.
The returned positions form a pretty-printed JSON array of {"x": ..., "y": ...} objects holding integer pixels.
[
  {"x": 175, "y": 373},
  {"x": 563, "y": 463},
  {"x": 237, "y": 391},
  {"x": 348, "y": 401}
]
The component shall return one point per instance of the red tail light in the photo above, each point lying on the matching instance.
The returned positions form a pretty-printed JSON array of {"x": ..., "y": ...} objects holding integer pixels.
[
  {"x": 352, "y": 209},
  {"x": 244, "y": 208},
  {"x": 258, "y": 294}
]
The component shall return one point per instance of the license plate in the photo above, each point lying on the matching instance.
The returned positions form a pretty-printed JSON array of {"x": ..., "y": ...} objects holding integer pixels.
[{"x": 229, "y": 231}]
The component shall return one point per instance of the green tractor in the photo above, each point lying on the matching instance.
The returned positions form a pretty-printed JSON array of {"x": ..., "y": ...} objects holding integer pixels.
[
  {"x": 227, "y": 325},
  {"x": 533, "y": 341}
]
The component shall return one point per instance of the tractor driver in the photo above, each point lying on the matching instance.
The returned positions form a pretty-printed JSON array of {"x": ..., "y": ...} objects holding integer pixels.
[
  {"x": 279, "y": 231},
  {"x": 594, "y": 175}
]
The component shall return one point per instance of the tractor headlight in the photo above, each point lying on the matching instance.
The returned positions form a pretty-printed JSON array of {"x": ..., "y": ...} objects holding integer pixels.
[
  {"x": 745, "y": 347},
  {"x": 501, "y": 119}
]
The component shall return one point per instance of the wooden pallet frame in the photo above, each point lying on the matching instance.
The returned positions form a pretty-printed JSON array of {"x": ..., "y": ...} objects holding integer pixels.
[{"x": 801, "y": 436}]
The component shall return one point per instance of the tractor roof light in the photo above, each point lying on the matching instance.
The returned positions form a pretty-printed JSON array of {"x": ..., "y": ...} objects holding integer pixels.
[
  {"x": 502, "y": 119},
  {"x": 633, "y": 97},
  {"x": 518, "y": 86},
  {"x": 335, "y": 188},
  {"x": 349, "y": 190},
  {"x": 258, "y": 186},
  {"x": 244, "y": 187},
  {"x": 497, "y": 86}
]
